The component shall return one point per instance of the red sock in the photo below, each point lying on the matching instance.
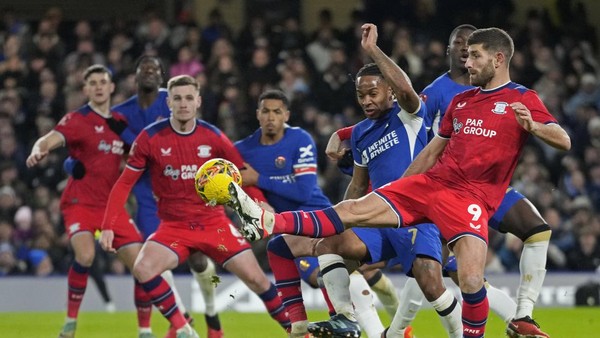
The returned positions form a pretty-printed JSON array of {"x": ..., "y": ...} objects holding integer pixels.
[
  {"x": 275, "y": 306},
  {"x": 162, "y": 297},
  {"x": 77, "y": 282},
  {"x": 318, "y": 223},
  {"x": 287, "y": 278},
  {"x": 475, "y": 308},
  {"x": 143, "y": 305}
]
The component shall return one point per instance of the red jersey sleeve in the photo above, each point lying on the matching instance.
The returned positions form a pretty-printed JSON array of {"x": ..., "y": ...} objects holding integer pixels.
[
  {"x": 539, "y": 112},
  {"x": 118, "y": 196},
  {"x": 139, "y": 152},
  {"x": 69, "y": 127}
]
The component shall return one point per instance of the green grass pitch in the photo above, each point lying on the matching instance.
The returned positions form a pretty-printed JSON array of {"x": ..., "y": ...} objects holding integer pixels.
[{"x": 558, "y": 322}]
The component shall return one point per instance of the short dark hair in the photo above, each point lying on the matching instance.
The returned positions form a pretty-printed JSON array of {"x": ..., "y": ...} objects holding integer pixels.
[
  {"x": 97, "y": 68},
  {"x": 494, "y": 39},
  {"x": 182, "y": 80},
  {"x": 369, "y": 69},
  {"x": 274, "y": 94},
  {"x": 459, "y": 28}
]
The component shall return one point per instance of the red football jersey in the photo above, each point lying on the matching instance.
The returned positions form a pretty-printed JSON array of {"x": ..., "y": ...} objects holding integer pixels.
[
  {"x": 173, "y": 159},
  {"x": 485, "y": 140},
  {"x": 89, "y": 139}
]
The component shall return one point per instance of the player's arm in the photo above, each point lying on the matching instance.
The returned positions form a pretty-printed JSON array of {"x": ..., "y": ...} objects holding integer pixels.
[
  {"x": 551, "y": 133},
  {"x": 394, "y": 75},
  {"x": 427, "y": 157},
  {"x": 116, "y": 202},
  {"x": 43, "y": 146},
  {"x": 359, "y": 184}
]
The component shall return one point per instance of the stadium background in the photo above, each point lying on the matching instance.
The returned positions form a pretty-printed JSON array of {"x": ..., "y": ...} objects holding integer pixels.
[{"x": 557, "y": 43}]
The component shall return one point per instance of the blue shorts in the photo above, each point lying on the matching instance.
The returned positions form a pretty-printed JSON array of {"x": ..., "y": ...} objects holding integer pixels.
[
  {"x": 511, "y": 197},
  {"x": 401, "y": 245},
  {"x": 146, "y": 217}
]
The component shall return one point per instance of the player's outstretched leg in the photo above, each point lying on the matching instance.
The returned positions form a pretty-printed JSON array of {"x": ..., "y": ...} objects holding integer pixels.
[{"x": 256, "y": 222}]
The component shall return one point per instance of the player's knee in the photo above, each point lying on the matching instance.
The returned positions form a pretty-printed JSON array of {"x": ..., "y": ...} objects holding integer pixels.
[
  {"x": 142, "y": 271},
  {"x": 327, "y": 246},
  {"x": 470, "y": 282},
  {"x": 427, "y": 272},
  {"x": 85, "y": 258},
  {"x": 539, "y": 233}
]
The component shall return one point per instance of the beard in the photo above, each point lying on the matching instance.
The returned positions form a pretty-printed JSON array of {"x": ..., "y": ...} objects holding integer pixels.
[{"x": 484, "y": 76}]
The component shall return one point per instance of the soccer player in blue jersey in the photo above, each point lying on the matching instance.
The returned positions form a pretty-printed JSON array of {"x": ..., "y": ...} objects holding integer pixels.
[
  {"x": 516, "y": 214},
  {"x": 283, "y": 164},
  {"x": 383, "y": 145}
]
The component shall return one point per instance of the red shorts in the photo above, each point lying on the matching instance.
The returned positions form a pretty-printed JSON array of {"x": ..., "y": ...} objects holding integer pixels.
[
  {"x": 419, "y": 199},
  {"x": 216, "y": 237},
  {"x": 84, "y": 218}
]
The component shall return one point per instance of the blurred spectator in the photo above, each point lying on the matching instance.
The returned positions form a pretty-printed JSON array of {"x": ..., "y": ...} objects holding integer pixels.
[
  {"x": 215, "y": 29},
  {"x": 586, "y": 255},
  {"x": 588, "y": 94},
  {"x": 187, "y": 63}
]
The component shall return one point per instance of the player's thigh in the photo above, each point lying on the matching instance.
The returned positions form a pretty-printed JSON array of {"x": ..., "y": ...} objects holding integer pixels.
[
  {"x": 470, "y": 252},
  {"x": 128, "y": 254},
  {"x": 84, "y": 247},
  {"x": 369, "y": 210},
  {"x": 521, "y": 218},
  {"x": 154, "y": 259}
]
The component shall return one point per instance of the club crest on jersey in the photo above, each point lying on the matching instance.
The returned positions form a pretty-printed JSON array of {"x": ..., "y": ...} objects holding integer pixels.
[
  {"x": 204, "y": 151},
  {"x": 280, "y": 162},
  {"x": 457, "y": 126},
  {"x": 499, "y": 107},
  {"x": 99, "y": 129}
]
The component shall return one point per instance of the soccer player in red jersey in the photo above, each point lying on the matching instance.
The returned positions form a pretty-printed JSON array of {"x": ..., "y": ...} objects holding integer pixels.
[
  {"x": 456, "y": 182},
  {"x": 91, "y": 134},
  {"x": 172, "y": 150}
]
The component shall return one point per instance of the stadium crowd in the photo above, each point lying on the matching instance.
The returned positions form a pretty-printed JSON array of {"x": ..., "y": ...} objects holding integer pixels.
[{"x": 41, "y": 64}]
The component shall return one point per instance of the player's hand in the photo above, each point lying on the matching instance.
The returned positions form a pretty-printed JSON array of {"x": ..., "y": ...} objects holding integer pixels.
[
  {"x": 334, "y": 149},
  {"x": 523, "y": 116},
  {"x": 36, "y": 157},
  {"x": 249, "y": 175},
  {"x": 369, "y": 37},
  {"x": 106, "y": 241}
]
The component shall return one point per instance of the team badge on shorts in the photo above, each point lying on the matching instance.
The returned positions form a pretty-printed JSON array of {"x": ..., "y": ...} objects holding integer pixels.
[{"x": 280, "y": 162}]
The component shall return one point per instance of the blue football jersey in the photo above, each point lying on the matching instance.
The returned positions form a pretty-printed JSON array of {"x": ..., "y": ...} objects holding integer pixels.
[
  {"x": 437, "y": 97},
  {"x": 386, "y": 146},
  {"x": 138, "y": 118},
  {"x": 288, "y": 170}
]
